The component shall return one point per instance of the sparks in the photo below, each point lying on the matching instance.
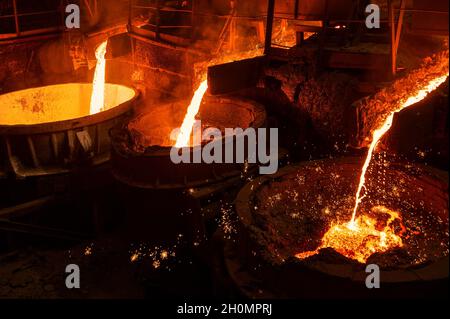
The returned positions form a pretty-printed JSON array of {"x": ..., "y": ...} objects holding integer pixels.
[
  {"x": 379, "y": 133},
  {"x": 134, "y": 257},
  {"x": 361, "y": 237}
]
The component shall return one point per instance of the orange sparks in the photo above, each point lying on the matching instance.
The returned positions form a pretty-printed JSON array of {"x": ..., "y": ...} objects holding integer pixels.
[
  {"x": 134, "y": 257},
  {"x": 360, "y": 240},
  {"x": 98, "y": 84},
  {"x": 379, "y": 133},
  {"x": 189, "y": 119},
  {"x": 362, "y": 236}
]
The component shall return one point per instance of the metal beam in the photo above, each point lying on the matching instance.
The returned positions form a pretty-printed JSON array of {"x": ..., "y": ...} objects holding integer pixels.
[
  {"x": 395, "y": 32},
  {"x": 399, "y": 25},
  {"x": 392, "y": 37},
  {"x": 269, "y": 26},
  {"x": 16, "y": 18},
  {"x": 158, "y": 19}
]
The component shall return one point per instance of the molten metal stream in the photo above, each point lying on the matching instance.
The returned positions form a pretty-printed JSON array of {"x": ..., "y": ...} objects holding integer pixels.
[
  {"x": 379, "y": 133},
  {"x": 360, "y": 238},
  {"x": 189, "y": 119},
  {"x": 98, "y": 84}
]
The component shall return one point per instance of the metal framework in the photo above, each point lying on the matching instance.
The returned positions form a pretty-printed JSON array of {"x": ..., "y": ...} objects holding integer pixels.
[
  {"x": 15, "y": 20},
  {"x": 157, "y": 28},
  {"x": 395, "y": 23}
]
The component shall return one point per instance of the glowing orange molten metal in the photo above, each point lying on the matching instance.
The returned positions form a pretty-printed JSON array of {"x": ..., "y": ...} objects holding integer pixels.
[
  {"x": 379, "y": 133},
  {"x": 361, "y": 237},
  {"x": 189, "y": 119},
  {"x": 98, "y": 84}
]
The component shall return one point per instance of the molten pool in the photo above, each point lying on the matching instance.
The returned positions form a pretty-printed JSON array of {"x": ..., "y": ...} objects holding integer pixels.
[
  {"x": 50, "y": 130},
  {"x": 56, "y": 103}
]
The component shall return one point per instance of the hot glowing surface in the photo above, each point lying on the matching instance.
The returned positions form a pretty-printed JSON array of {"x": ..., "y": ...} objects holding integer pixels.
[
  {"x": 98, "y": 89},
  {"x": 379, "y": 133},
  {"x": 56, "y": 103},
  {"x": 183, "y": 139},
  {"x": 189, "y": 119},
  {"x": 362, "y": 236}
]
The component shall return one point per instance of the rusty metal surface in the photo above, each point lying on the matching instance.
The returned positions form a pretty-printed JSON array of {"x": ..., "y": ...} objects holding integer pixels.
[
  {"x": 234, "y": 76},
  {"x": 118, "y": 45}
]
